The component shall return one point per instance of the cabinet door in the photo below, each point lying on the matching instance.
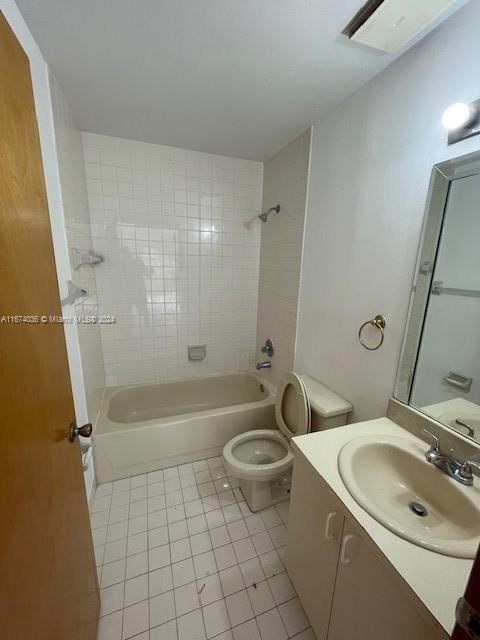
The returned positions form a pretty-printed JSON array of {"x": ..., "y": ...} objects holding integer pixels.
[
  {"x": 371, "y": 601},
  {"x": 314, "y": 536}
]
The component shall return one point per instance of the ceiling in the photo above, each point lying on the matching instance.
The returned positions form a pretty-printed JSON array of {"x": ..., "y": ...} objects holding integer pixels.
[{"x": 235, "y": 77}]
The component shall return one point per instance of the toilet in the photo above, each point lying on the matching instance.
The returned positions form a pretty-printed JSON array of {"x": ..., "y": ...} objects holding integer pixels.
[{"x": 262, "y": 459}]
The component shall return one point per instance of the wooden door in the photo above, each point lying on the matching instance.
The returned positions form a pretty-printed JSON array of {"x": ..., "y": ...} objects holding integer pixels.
[
  {"x": 48, "y": 582},
  {"x": 371, "y": 601},
  {"x": 314, "y": 536}
]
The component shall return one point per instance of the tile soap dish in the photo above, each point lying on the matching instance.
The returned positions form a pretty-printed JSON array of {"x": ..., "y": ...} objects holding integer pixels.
[{"x": 197, "y": 351}]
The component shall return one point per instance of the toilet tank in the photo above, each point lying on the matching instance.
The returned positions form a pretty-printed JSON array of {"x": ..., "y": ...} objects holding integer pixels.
[{"x": 328, "y": 409}]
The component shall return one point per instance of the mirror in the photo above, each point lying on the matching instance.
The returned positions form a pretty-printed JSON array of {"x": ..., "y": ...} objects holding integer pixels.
[{"x": 439, "y": 371}]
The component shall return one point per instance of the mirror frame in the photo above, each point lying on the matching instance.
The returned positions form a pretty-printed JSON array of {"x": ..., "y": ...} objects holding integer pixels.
[{"x": 442, "y": 176}]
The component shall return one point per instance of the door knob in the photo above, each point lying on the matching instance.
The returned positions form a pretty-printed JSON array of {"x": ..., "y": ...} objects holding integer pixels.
[{"x": 85, "y": 431}]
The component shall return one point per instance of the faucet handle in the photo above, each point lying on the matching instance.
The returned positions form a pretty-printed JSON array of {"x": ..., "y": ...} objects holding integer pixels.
[{"x": 435, "y": 441}]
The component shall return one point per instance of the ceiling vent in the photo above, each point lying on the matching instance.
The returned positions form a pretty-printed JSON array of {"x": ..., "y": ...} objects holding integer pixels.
[{"x": 389, "y": 25}]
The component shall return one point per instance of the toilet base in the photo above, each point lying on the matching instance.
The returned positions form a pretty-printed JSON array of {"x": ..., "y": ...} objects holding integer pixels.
[{"x": 262, "y": 495}]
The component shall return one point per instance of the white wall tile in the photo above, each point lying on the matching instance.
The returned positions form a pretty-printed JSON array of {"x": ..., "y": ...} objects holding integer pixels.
[{"x": 180, "y": 268}]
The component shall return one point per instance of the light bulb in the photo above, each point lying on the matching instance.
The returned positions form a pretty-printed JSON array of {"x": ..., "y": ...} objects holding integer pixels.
[{"x": 457, "y": 115}]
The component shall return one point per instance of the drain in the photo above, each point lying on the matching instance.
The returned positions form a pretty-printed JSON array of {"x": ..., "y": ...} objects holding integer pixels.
[{"x": 418, "y": 509}]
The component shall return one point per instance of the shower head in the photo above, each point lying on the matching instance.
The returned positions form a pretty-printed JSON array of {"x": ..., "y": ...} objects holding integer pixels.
[{"x": 263, "y": 217}]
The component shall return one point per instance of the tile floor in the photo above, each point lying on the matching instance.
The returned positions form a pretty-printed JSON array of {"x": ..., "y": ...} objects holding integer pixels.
[{"x": 181, "y": 557}]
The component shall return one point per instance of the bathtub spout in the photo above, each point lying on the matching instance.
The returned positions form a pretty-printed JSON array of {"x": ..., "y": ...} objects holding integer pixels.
[{"x": 263, "y": 365}]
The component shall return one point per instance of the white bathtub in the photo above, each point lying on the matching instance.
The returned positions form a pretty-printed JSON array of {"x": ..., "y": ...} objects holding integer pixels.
[{"x": 148, "y": 427}]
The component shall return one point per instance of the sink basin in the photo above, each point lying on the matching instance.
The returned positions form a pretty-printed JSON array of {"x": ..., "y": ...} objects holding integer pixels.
[{"x": 390, "y": 478}]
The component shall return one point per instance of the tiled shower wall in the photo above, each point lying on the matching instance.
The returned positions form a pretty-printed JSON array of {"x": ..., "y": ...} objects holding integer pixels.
[{"x": 180, "y": 267}]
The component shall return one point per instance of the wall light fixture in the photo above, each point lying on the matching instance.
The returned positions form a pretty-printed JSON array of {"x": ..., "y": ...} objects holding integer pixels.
[{"x": 462, "y": 120}]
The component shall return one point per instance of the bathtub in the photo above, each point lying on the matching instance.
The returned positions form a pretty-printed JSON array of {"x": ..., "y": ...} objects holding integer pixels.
[{"x": 148, "y": 427}]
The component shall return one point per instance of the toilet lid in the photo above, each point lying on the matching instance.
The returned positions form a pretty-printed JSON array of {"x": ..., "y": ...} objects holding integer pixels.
[{"x": 292, "y": 408}]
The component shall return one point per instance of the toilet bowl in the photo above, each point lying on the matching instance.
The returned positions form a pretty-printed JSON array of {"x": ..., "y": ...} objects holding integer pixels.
[{"x": 262, "y": 459}]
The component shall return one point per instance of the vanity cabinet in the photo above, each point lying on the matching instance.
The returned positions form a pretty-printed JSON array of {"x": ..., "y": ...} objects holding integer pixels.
[
  {"x": 346, "y": 586},
  {"x": 315, "y": 533}
]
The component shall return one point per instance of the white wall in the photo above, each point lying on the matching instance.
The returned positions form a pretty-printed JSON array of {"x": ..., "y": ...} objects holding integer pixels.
[
  {"x": 285, "y": 179},
  {"x": 43, "y": 105},
  {"x": 370, "y": 168},
  {"x": 79, "y": 237},
  {"x": 180, "y": 268}
]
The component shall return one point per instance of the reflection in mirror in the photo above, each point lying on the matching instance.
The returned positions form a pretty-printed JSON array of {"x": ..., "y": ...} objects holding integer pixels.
[{"x": 440, "y": 367}]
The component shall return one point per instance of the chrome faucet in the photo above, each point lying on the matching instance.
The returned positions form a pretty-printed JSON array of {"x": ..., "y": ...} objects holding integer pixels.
[
  {"x": 459, "y": 471},
  {"x": 263, "y": 365}
]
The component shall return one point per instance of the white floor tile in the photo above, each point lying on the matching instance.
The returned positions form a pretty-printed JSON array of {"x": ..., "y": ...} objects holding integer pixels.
[
  {"x": 111, "y": 599},
  {"x": 209, "y": 589},
  {"x": 261, "y": 598},
  {"x": 254, "y": 524},
  {"x": 167, "y": 631},
  {"x": 216, "y": 618},
  {"x": 204, "y": 564},
  {"x": 115, "y": 550},
  {"x": 186, "y": 599},
  {"x": 137, "y": 543},
  {"x": 190, "y": 626},
  {"x": 113, "y": 573},
  {"x": 271, "y": 626},
  {"x": 177, "y": 530},
  {"x": 157, "y": 537},
  {"x": 244, "y": 549},
  {"x": 219, "y": 536},
  {"x": 188, "y": 561},
  {"x": 170, "y": 473},
  {"x": 180, "y": 550},
  {"x": 237, "y": 530},
  {"x": 160, "y": 581},
  {"x": 197, "y": 524},
  {"x": 137, "y": 525},
  {"x": 252, "y": 571},
  {"x": 278, "y": 535},
  {"x": 183, "y": 572},
  {"x": 281, "y": 588},
  {"x": 193, "y": 508},
  {"x": 225, "y": 557},
  {"x": 239, "y": 607},
  {"x": 162, "y": 608},
  {"x": 137, "y": 565},
  {"x": 246, "y": 631},
  {"x": 135, "y": 619},
  {"x": 157, "y": 519},
  {"x": 136, "y": 589},
  {"x": 200, "y": 543},
  {"x": 110, "y": 627},
  {"x": 271, "y": 564},
  {"x": 293, "y": 616},
  {"x": 154, "y": 476},
  {"x": 262, "y": 542},
  {"x": 231, "y": 580},
  {"x": 158, "y": 489},
  {"x": 159, "y": 557},
  {"x": 138, "y": 481},
  {"x": 117, "y": 531}
]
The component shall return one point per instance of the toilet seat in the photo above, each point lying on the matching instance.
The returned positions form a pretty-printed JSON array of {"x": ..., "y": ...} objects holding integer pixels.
[
  {"x": 292, "y": 408},
  {"x": 261, "y": 454}
]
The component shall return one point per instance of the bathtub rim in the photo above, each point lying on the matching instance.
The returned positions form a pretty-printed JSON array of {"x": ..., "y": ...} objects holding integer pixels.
[{"x": 113, "y": 427}]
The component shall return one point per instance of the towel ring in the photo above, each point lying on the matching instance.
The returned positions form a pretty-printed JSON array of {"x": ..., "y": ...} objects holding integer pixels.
[{"x": 379, "y": 322}]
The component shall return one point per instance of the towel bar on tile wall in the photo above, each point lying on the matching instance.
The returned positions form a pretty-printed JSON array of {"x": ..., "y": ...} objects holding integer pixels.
[{"x": 379, "y": 322}]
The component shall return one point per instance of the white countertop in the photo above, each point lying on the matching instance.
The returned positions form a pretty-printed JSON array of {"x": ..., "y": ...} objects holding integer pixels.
[{"x": 436, "y": 579}]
